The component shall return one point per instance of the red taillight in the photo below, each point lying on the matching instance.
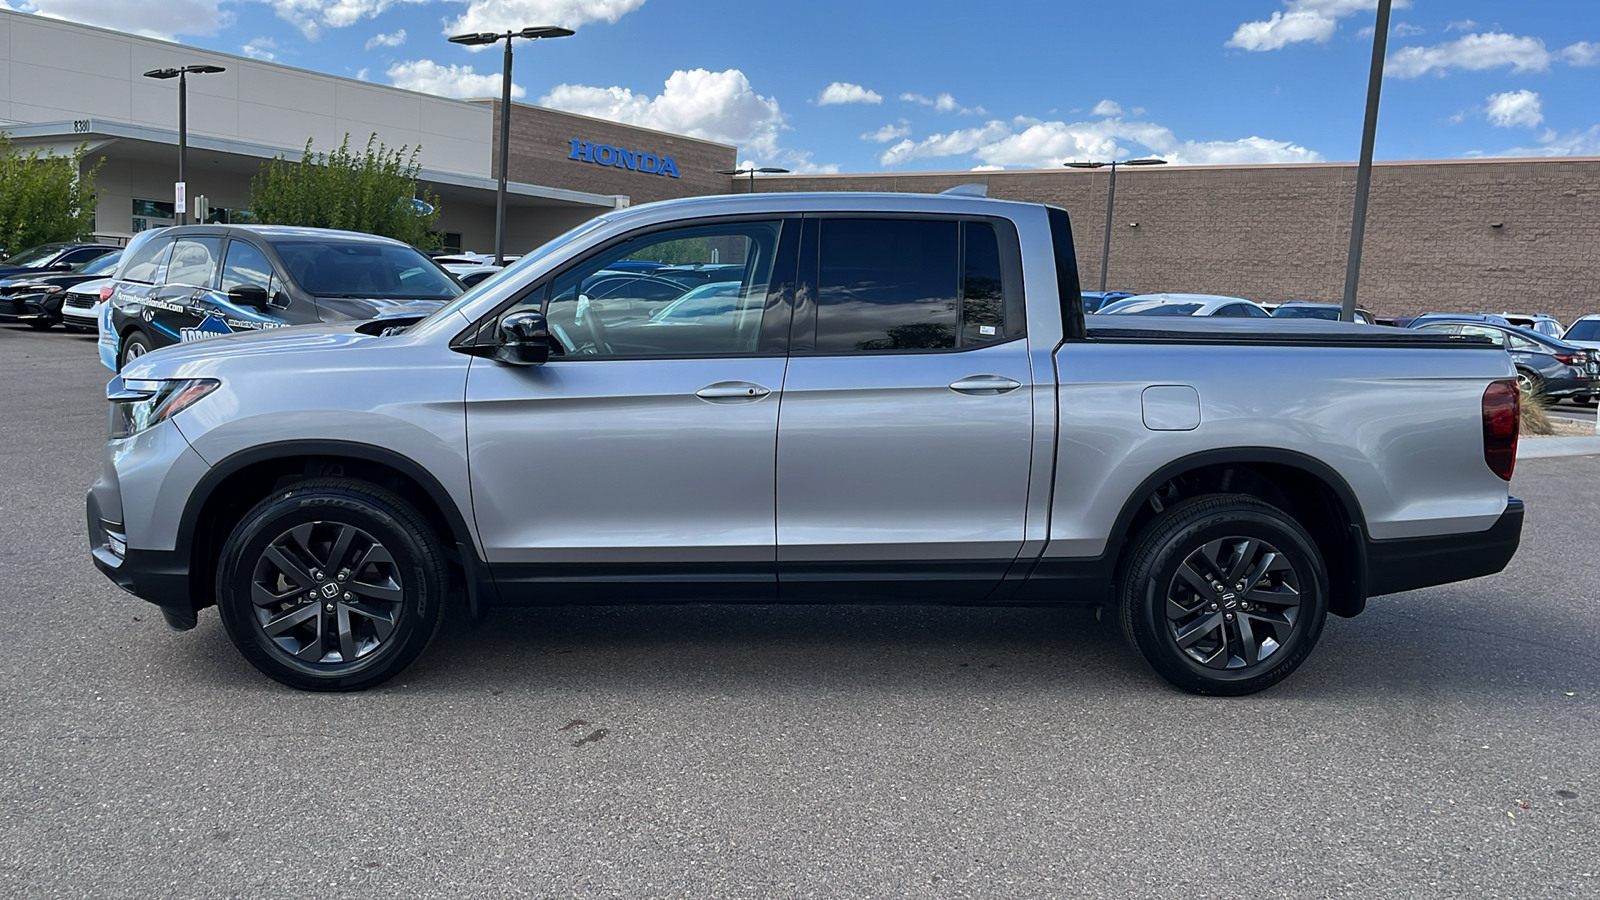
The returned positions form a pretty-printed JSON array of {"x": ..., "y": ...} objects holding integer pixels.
[
  {"x": 1502, "y": 421},
  {"x": 1571, "y": 359},
  {"x": 105, "y": 293}
]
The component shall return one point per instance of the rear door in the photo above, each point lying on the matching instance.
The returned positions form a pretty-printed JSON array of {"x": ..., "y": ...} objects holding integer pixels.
[{"x": 905, "y": 434}]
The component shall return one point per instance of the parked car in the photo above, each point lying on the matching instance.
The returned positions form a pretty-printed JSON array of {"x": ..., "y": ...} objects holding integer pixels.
[
  {"x": 469, "y": 276},
  {"x": 38, "y": 299},
  {"x": 56, "y": 258},
  {"x": 1396, "y": 321},
  {"x": 1093, "y": 300},
  {"x": 878, "y": 418},
  {"x": 1546, "y": 325},
  {"x": 459, "y": 263},
  {"x": 1545, "y": 365},
  {"x": 1185, "y": 305},
  {"x": 1480, "y": 318},
  {"x": 1585, "y": 333},
  {"x": 199, "y": 282},
  {"x": 82, "y": 304},
  {"x": 1309, "y": 309}
]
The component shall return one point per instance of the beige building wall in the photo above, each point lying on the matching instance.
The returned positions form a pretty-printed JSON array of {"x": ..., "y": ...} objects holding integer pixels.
[
  {"x": 52, "y": 71},
  {"x": 1271, "y": 233}
]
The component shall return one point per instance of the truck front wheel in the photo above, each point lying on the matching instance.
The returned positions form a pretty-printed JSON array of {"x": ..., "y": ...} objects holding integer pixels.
[
  {"x": 1224, "y": 595},
  {"x": 331, "y": 585}
]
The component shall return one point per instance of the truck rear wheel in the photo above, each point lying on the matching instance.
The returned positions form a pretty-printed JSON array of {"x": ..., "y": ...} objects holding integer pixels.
[
  {"x": 1224, "y": 595},
  {"x": 331, "y": 585}
]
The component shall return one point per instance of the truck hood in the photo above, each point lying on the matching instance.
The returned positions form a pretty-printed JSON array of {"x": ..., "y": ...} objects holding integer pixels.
[{"x": 176, "y": 360}]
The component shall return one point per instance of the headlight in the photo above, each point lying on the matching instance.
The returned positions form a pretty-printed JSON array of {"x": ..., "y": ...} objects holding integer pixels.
[
  {"x": 138, "y": 404},
  {"x": 37, "y": 288}
]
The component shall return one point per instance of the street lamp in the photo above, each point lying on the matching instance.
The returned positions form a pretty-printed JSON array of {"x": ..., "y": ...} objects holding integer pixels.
[
  {"x": 751, "y": 171},
  {"x": 484, "y": 38},
  {"x": 1111, "y": 199},
  {"x": 180, "y": 192}
]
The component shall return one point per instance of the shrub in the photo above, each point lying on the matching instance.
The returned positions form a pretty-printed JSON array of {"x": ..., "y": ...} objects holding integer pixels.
[
  {"x": 1535, "y": 417},
  {"x": 370, "y": 193},
  {"x": 44, "y": 197}
]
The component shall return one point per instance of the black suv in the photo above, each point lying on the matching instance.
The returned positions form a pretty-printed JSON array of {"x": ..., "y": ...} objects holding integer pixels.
[{"x": 194, "y": 282}]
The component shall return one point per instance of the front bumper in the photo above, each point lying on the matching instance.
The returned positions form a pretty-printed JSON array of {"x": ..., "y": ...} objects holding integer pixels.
[
  {"x": 30, "y": 307},
  {"x": 1411, "y": 563},
  {"x": 159, "y": 576}
]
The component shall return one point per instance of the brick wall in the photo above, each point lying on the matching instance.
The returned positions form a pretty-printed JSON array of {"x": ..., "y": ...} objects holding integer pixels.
[
  {"x": 541, "y": 145},
  {"x": 1276, "y": 232}
]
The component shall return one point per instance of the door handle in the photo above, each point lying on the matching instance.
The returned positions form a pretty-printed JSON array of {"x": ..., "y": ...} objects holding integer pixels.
[
  {"x": 731, "y": 392},
  {"x": 985, "y": 385}
]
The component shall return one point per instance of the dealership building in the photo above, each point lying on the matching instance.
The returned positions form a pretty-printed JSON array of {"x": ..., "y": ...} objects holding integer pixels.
[{"x": 1479, "y": 235}]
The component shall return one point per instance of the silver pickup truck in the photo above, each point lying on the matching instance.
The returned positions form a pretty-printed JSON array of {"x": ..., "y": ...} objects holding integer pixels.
[{"x": 804, "y": 398}]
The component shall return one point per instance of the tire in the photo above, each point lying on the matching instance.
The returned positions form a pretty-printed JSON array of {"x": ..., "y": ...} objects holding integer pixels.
[
  {"x": 1584, "y": 400},
  {"x": 1203, "y": 643},
  {"x": 41, "y": 324},
  {"x": 134, "y": 345},
  {"x": 373, "y": 564},
  {"x": 1529, "y": 383}
]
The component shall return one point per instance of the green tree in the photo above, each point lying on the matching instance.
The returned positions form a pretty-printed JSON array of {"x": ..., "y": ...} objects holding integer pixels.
[
  {"x": 371, "y": 193},
  {"x": 44, "y": 197}
]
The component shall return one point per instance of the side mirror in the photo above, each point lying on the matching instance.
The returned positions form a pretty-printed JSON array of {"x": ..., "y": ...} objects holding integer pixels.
[
  {"x": 522, "y": 339},
  {"x": 248, "y": 295},
  {"x": 61, "y": 267}
]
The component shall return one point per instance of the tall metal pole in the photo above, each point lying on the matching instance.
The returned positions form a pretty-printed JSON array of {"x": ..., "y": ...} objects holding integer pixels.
[
  {"x": 1105, "y": 247},
  {"x": 505, "y": 153},
  {"x": 1369, "y": 131},
  {"x": 183, "y": 144}
]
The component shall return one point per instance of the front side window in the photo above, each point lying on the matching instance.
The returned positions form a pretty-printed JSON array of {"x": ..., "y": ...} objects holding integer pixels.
[
  {"x": 194, "y": 261},
  {"x": 908, "y": 285},
  {"x": 245, "y": 267},
  {"x": 695, "y": 291}
]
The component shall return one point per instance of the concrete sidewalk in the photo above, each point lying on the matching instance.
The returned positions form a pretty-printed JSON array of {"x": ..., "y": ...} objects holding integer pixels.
[{"x": 1541, "y": 448}]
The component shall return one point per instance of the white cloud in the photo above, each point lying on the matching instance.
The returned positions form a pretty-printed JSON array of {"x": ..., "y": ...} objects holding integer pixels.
[
  {"x": 394, "y": 39},
  {"x": 1405, "y": 30},
  {"x": 1583, "y": 53},
  {"x": 944, "y": 103},
  {"x": 492, "y": 15},
  {"x": 1474, "y": 52},
  {"x": 1515, "y": 109},
  {"x": 311, "y": 16},
  {"x": 1031, "y": 143},
  {"x": 429, "y": 77},
  {"x": 715, "y": 106},
  {"x": 163, "y": 19},
  {"x": 1303, "y": 20},
  {"x": 261, "y": 48},
  {"x": 845, "y": 92},
  {"x": 1580, "y": 143},
  {"x": 1462, "y": 25},
  {"x": 987, "y": 168},
  {"x": 1108, "y": 108},
  {"x": 887, "y": 133}
]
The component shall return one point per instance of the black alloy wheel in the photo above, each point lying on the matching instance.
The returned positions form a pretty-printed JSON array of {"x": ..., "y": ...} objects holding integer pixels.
[
  {"x": 331, "y": 585},
  {"x": 135, "y": 345},
  {"x": 1224, "y": 594}
]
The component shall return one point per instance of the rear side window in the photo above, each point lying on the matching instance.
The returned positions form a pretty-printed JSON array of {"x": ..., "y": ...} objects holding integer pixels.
[
  {"x": 194, "y": 261},
  {"x": 908, "y": 285},
  {"x": 146, "y": 260}
]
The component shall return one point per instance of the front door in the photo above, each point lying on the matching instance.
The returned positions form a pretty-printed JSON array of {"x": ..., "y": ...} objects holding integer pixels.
[
  {"x": 905, "y": 437},
  {"x": 638, "y": 462}
]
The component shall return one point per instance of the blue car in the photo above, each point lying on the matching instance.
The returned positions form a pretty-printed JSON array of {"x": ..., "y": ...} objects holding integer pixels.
[
  {"x": 1545, "y": 365},
  {"x": 1094, "y": 300}
]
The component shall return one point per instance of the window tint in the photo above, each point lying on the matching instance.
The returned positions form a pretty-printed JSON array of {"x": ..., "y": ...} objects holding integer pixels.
[
  {"x": 146, "y": 260},
  {"x": 82, "y": 255},
  {"x": 102, "y": 265},
  {"x": 194, "y": 261},
  {"x": 1231, "y": 311},
  {"x": 707, "y": 296},
  {"x": 983, "y": 306},
  {"x": 1518, "y": 342},
  {"x": 887, "y": 285},
  {"x": 1255, "y": 312},
  {"x": 245, "y": 267},
  {"x": 367, "y": 270}
]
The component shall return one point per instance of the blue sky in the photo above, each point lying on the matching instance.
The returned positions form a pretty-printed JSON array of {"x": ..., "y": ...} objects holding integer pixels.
[{"x": 894, "y": 85}]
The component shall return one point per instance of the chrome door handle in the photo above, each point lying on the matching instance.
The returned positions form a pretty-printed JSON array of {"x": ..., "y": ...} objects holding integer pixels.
[
  {"x": 985, "y": 384},
  {"x": 729, "y": 391}
]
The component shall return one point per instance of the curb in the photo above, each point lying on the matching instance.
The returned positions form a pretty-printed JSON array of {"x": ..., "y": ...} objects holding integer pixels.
[{"x": 1546, "y": 448}]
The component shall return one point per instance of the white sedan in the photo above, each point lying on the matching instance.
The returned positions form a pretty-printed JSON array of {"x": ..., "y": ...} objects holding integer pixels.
[{"x": 1185, "y": 305}]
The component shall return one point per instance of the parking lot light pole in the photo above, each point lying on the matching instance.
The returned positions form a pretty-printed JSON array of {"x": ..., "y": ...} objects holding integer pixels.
[
  {"x": 1111, "y": 199},
  {"x": 751, "y": 171},
  {"x": 1369, "y": 133},
  {"x": 484, "y": 38},
  {"x": 181, "y": 203}
]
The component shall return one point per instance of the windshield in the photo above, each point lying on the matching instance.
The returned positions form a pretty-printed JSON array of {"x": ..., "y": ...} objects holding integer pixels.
[
  {"x": 34, "y": 256},
  {"x": 1149, "y": 306},
  {"x": 364, "y": 270},
  {"x": 1585, "y": 330},
  {"x": 101, "y": 265},
  {"x": 521, "y": 265}
]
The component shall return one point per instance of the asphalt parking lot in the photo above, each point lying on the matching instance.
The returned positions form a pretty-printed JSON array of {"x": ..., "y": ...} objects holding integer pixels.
[{"x": 1444, "y": 744}]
